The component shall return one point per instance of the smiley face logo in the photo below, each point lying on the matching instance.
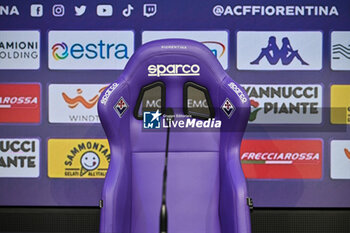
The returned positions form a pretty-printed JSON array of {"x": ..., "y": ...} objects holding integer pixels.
[{"x": 90, "y": 161}]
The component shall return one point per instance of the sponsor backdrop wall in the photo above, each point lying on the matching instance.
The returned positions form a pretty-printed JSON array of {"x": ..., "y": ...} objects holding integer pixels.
[{"x": 293, "y": 60}]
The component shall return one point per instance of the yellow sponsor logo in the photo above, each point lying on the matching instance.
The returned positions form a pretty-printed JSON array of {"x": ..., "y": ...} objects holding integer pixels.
[
  {"x": 78, "y": 158},
  {"x": 340, "y": 104}
]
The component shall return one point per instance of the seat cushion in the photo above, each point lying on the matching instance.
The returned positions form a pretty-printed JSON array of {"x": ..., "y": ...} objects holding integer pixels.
[{"x": 192, "y": 192}]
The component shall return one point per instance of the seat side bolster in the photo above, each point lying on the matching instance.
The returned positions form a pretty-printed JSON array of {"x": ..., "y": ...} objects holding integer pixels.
[{"x": 116, "y": 194}]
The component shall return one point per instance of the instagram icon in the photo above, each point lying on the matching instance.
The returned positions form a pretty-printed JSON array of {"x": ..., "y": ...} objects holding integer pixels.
[{"x": 58, "y": 10}]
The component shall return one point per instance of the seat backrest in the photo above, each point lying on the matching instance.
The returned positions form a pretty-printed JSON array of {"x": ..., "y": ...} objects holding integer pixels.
[{"x": 184, "y": 76}]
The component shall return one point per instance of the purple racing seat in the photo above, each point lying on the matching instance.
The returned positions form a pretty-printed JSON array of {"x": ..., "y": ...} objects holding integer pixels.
[{"x": 174, "y": 121}]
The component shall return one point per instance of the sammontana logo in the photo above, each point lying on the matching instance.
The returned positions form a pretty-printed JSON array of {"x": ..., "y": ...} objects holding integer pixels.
[
  {"x": 78, "y": 158},
  {"x": 173, "y": 70}
]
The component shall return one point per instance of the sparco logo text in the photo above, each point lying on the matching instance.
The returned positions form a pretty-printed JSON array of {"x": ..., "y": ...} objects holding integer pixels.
[{"x": 173, "y": 70}]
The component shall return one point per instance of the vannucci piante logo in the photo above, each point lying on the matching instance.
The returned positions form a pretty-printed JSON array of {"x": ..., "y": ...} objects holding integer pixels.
[
  {"x": 87, "y": 50},
  {"x": 56, "y": 54}
]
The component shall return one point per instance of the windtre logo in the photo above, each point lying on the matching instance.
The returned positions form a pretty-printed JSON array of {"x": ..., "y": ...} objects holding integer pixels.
[
  {"x": 79, "y": 99},
  {"x": 340, "y": 159},
  {"x": 19, "y": 157},
  {"x": 19, "y": 103},
  {"x": 90, "y": 49},
  {"x": 74, "y": 103},
  {"x": 78, "y": 158},
  {"x": 285, "y": 104},
  {"x": 64, "y": 52},
  {"x": 282, "y": 159}
]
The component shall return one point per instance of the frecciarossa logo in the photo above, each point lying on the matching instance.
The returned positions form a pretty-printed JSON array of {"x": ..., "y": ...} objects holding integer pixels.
[{"x": 160, "y": 70}]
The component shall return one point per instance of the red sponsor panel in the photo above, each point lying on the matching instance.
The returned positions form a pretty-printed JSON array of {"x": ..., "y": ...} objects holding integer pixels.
[
  {"x": 282, "y": 159},
  {"x": 19, "y": 103}
]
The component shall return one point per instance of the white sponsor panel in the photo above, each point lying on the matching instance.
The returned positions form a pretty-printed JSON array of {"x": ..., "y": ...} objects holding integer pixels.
[
  {"x": 90, "y": 50},
  {"x": 285, "y": 104},
  {"x": 340, "y": 55},
  {"x": 340, "y": 159},
  {"x": 271, "y": 50},
  {"x": 216, "y": 41},
  {"x": 74, "y": 103},
  {"x": 19, "y": 157},
  {"x": 20, "y": 50}
]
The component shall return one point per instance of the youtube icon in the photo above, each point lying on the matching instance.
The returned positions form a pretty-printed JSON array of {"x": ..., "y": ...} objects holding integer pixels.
[{"x": 104, "y": 10}]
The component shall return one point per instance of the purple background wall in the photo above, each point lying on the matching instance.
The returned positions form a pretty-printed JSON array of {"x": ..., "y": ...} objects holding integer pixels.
[{"x": 175, "y": 15}]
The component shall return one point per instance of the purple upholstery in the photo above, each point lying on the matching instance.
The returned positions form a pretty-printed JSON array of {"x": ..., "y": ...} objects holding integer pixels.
[{"x": 206, "y": 188}]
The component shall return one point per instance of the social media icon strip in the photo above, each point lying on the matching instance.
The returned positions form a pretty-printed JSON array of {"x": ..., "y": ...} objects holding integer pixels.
[
  {"x": 340, "y": 47},
  {"x": 79, "y": 10},
  {"x": 58, "y": 10},
  {"x": 36, "y": 10},
  {"x": 269, "y": 50},
  {"x": 340, "y": 159},
  {"x": 127, "y": 11},
  {"x": 149, "y": 9},
  {"x": 90, "y": 50},
  {"x": 216, "y": 41},
  {"x": 104, "y": 10}
]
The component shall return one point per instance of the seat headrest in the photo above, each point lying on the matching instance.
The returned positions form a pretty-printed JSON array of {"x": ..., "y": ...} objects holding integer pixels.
[{"x": 172, "y": 59}]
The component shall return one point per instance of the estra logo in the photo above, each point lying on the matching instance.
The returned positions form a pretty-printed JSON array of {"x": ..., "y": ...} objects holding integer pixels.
[
  {"x": 282, "y": 159},
  {"x": 19, "y": 103},
  {"x": 285, "y": 104},
  {"x": 19, "y": 157},
  {"x": 90, "y": 50},
  {"x": 74, "y": 103},
  {"x": 216, "y": 41}
]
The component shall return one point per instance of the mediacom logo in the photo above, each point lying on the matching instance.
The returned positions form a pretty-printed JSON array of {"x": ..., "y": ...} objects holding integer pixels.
[
  {"x": 19, "y": 103},
  {"x": 282, "y": 159},
  {"x": 74, "y": 103},
  {"x": 285, "y": 104},
  {"x": 78, "y": 158},
  {"x": 19, "y": 157},
  {"x": 20, "y": 50},
  {"x": 90, "y": 50},
  {"x": 216, "y": 41}
]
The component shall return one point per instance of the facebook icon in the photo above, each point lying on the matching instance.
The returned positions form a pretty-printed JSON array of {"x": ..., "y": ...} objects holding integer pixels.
[
  {"x": 36, "y": 10},
  {"x": 151, "y": 120}
]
